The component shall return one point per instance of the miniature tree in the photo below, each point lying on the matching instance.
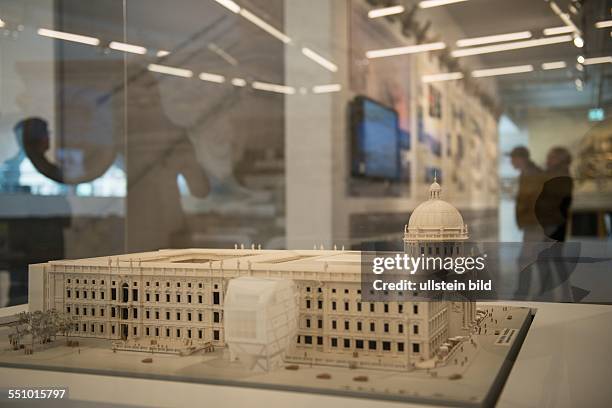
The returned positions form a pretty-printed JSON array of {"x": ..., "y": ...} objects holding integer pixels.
[{"x": 66, "y": 324}]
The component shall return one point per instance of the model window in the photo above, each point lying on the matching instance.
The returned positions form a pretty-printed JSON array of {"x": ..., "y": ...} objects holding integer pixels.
[
  {"x": 113, "y": 329},
  {"x": 101, "y": 282},
  {"x": 199, "y": 317},
  {"x": 333, "y": 305},
  {"x": 400, "y": 308},
  {"x": 156, "y": 283},
  {"x": 334, "y": 342},
  {"x": 167, "y": 332},
  {"x": 415, "y": 309},
  {"x": 320, "y": 304},
  {"x": 178, "y": 298},
  {"x": 124, "y": 292},
  {"x": 347, "y": 343},
  {"x": 299, "y": 339},
  {"x": 307, "y": 323},
  {"x": 307, "y": 288},
  {"x": 200, "y": 285},
  {"x": 386, "y": 327},
  {"x": 156, "y": 332},
  {"x": 84, "y": 294},
  {"x": 320, "y": 324},
  {"x": 359, "y": 344},
  {"x": 416, "y": 348},
  {"x": 102, "y": 295},
  {"x": 359, "y": 326},
  {"x": 415, "y": 329},
  {"x": 147, "y": 297},
  {"x": 188, "y": 298},
  {"x": 135, "y": 313},
  {"x": 200, "y": 334},
  {"x": 372, "y": 344},
  {"x": 216, "y": 298},
  {"x": 308, "y": 339},
  {"x": 178, "y": 284},
  {"x": 189, "y": 316},
  {"x": 333, "y": 324},
  {"x": 386, "y": 345},
  {"x": 101, "y": 328},
  {"x": 147, "y": 314},
  {"x": 346, "y": 306},
  {"x": 68, "y": 293},
  {"x": 386, "y": 308},
  {"x": 135, "y": 294},
  {"x": 146, "y": 331},
  {"x": 346, "y": 325},
  {"x": 189, "y": 333},
  {"x": 167, "y": 297},
  {"x": 372, "y": 307},
  {"x": 113, "y": 312},
  {"x": 307, "y": 303},
  {"x": 93, "y": 294},
  {"x": 400, "y": 347},
  {"x": 346, "y": 291},
  {"x": 157, "y": 315},
  {"x": 167, "y": 315},
  {"x": 178, "y": 315},
  {"x": 93, "y": 328},
  {"x": 93, "y": 311},
  {"x": 157, "y": 297},
  {"x": 102, "y": 312},
  {"x": 400, "y": 328},
  {"x": 319, "y": 290},
  {"x": 319, "y": 340},
  {"x": 188, "y": 284},
  {"x": 215, "y": 334},
  {"x": 68, "y": 280},
  {"x": 372, "y": 326},
  {"x": 333, "y": 290},
  {"x": 147, "y": 283},
  {"x": 216, "y": 317},
  {"x": 67, "y": 309},
  {"x": 84, "y": 311},
  {"x": 199, "y": 298},
  {"x": 167, "y": 284},
  {"x": 359, "y": 306},
  {"x": 178, "y": 333},
  {"x": 77, "y": 294}
]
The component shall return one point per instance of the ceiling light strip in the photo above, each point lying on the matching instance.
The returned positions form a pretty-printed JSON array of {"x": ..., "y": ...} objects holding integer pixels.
[
  {"x": 265, "y": 26},
  {"x": 603, "y": 24},
  {"x": 553, "y": 65},
  {"x": 205, "y": 76},
  {"x": 264, "y": 86},
  {"x": 450, "y": 76},
  {"x": 469, "y": 42},
  {"x": 518, "y": 69},
  {"x": 511, "y": 46},
  {"x": 125, "y": 47},
  {"x": 319, "y": 89},
  {"x": 410, "y": 49},
  {"x": 437, "y": 3},
  {"x": 558, "y": 30},
  {"x": 598, "y": 60},
  {"x": 385, "y": 11},
  {"x": 325, "y": 63},
  {"x": 60, "y": 35},
  {"x": 164, "y": 69}
]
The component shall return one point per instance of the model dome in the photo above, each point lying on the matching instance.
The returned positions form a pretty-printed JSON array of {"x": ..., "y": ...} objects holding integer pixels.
[{"x": 435, "y": 219}]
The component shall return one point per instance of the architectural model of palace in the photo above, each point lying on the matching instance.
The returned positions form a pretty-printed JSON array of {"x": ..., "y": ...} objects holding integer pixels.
[{"x": 267, "y": 306}]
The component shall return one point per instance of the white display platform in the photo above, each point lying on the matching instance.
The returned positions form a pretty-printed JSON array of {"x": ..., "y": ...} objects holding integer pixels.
[{"x": 565, "y": 361}]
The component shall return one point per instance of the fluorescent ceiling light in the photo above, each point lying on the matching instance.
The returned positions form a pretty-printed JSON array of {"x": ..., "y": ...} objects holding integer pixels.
[
  {"x": 565, "y": 17},
  {"x": 410, "y": 49},
  {"x": 442, "y": 77},
  {"x": 319, "y": 59},
  {"x": 319, "y": 89},
  {"x": 239, "y": 82},
  {"x": 164, "y": 69},
  {"x": 162, "y": 53},
  {"x": 598, "y": 60},
  {"x": 481, "y": 73},
  {"x": 2, "y": 24},
  {"x": 553, "y": 65},
  {"x": 205, "y": 76},
  {"x": 436, "y": 3},
  {"x": 60, "y": 35},
  {"x": 386, "y": 11},
  {"x": 580, "y": 59},
  {"x": 558, "y": 30},
  {"x": 511, "y": 46},
  {"x": 468, "y": 42},
  {"x": 603, "y": 24},
  {"x": 134, "y": 49},
  {"x": 264, "y": 86},
  {"x": 265, "y": 26},
  {"x": 230, "y": 5}
]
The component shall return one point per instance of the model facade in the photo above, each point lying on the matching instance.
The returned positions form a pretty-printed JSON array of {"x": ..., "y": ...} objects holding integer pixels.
[{"x": 179, "y": 296}]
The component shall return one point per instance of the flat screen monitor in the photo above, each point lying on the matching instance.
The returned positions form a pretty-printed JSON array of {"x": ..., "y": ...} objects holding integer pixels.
[{"x": 376, "y": 140}]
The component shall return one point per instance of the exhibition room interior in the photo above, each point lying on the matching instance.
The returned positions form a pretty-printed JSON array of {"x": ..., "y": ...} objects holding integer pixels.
[{"x": 219, "y": 158}]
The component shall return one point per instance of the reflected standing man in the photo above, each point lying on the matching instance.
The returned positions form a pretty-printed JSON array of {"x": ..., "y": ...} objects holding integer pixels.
[{"x": 529, "y": 187}]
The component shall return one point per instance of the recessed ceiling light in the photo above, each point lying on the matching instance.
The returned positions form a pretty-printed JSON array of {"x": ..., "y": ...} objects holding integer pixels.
[{"x": 385, "y": 11}]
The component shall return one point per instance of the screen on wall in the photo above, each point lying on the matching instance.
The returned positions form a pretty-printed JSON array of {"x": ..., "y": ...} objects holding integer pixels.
[{"x": 376, "y": 140}]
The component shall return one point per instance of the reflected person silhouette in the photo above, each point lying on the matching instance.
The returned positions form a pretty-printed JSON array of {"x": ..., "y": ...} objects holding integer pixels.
[{"x": 35, "y": 138}]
